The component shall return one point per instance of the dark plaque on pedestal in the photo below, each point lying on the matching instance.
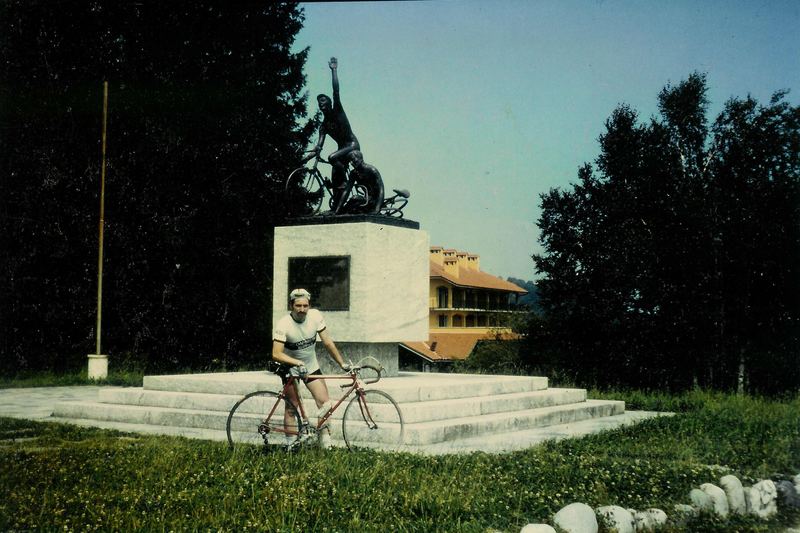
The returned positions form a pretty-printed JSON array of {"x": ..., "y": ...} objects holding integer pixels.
[{"x": 327, "y": 278}]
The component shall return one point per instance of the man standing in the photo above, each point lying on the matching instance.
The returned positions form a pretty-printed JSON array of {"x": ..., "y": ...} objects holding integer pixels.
[
  {"x": 335, "y": 124},
  {"x": 293, "y": 342}
]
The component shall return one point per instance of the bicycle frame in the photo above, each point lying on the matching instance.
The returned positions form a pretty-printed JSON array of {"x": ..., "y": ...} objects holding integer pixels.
[{"x": 353, "y": 386}]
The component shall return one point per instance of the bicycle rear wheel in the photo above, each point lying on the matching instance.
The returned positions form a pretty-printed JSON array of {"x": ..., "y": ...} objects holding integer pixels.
[
  {"x": 250, "y": 422},
  {"x": 373, "y": 420},
  {"x": 304, "y": 191}
]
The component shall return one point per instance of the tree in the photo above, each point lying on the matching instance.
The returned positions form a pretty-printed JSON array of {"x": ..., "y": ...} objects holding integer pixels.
[
  {"x": 672, "y": 262},
  {"x": 206, "y": 118}
]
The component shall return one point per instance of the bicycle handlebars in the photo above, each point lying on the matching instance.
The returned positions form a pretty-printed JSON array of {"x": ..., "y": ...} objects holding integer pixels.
[
  {"x": 377, "y": 371},
  {"x": 318, "y": 156},
  {"x": 356, "y": 371}
]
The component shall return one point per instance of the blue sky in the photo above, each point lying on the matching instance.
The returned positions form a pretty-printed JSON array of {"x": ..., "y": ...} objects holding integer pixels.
[{"x": 479, "y": 107}]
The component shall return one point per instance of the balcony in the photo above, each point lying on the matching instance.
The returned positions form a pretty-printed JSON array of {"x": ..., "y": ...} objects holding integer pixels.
[{"x": 498, "y": 308}]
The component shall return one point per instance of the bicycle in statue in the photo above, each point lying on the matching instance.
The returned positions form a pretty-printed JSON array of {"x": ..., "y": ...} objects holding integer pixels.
[
  {"x": 372, "y": 418},
  {"x": 307, "y": 188}
]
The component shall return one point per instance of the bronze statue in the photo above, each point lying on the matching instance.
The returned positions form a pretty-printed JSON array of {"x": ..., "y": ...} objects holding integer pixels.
[
  {"x": 355, "y": 187},
  {"x": 335, "y": 124}
]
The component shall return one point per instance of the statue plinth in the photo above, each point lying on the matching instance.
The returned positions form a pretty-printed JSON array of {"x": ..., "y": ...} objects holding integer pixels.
[
  {"x": 350, "y": 219},
  {"x": 371, "y": 278}
]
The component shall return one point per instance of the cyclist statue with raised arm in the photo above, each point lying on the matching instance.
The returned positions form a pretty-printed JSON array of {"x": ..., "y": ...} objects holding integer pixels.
[
  {"x": 336, "y": 125},
  {"x": 293, "y": 341}
]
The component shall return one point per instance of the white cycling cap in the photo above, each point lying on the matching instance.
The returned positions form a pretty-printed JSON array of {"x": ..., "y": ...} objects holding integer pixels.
[{"x": 299, "y": 293}]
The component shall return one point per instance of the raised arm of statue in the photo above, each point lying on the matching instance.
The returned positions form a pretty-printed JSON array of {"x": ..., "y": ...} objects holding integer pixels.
[{"x": 334, "y": 65}]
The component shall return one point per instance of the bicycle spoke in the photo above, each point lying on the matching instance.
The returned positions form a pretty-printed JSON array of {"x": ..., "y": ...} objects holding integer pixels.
[
  {"x": 258, "y": 418},
  {"x": 373, "y": 420}
]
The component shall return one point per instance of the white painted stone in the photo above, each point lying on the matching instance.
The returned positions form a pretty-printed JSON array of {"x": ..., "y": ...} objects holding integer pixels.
[
  {"x": 735, "y": 494},
  {"x": 718, "y": 497},
  {"x": 649, "y": 520},
  {"x": 576, "y": 518},
  {"x": 537, "y": 528},
  {"x": 683, "y": 509},
  {"x": 389, "y": 278},
  {"x": 762, "y": 499},
  {"x": 617, "y": 518},
  {"x": 701, "y": 501},
  {"x": 653, "y": 519}
]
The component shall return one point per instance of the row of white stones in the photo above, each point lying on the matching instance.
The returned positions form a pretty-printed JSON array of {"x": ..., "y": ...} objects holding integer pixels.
[{"x": 760, "y": 500}]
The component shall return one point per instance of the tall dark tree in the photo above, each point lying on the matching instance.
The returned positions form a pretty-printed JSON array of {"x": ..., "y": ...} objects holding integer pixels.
[
  {"x": 675, "y": 261},
  {"x": 206, "y": 117}
]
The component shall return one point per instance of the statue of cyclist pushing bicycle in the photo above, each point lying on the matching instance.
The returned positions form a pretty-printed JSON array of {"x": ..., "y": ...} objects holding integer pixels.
[{"x": 355, "y": 187}]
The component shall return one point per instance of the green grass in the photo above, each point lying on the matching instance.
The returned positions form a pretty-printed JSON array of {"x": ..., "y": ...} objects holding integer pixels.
[
  {"x": 124, "y": 377},
  {"x": 125, "y": 372},
  {"x": 56, "y": 476}
]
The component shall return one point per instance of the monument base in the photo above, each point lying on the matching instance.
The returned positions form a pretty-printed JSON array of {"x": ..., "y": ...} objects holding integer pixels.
[
  {"x": 98, "y": 366},
  {"x": 385, "y": 352},
  {"x": 379, "y": 286}
]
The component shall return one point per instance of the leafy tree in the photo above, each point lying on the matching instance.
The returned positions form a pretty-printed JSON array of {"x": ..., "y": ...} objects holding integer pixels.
[
  {"x": 674, "y": 261},
  {"x": 530, "y": 300},
  {"x": 502, "y": 357},
  {"x": 206, "y": 112}
]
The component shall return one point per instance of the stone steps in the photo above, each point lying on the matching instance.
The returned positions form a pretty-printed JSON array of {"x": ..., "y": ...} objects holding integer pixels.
[
  {"x": 417, "y": 433},
  {"x": 401, "y": 388},
  {"x": 437, "y": 408},
  {"x": 412, "y": 411},
  {"x": 459, "y": 428},
  {"x": 495, "y": 442}
]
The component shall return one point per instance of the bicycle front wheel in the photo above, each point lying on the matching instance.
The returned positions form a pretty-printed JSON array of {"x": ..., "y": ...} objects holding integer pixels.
[
  {"x": 304, "y": 191},
  {"x": 373, "y": 420},
  {"x": 258, "y": 418}
]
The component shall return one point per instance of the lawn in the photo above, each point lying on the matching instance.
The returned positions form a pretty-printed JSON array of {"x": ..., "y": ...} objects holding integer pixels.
[{"x": 57, "y": 476}]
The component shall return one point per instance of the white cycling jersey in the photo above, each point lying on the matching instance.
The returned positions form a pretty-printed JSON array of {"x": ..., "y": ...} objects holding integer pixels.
[{"x": 299, "y": 338}]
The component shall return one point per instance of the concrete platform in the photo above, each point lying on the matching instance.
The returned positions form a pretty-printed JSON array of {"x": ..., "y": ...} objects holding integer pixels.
[{"x": 444, "y": 413}]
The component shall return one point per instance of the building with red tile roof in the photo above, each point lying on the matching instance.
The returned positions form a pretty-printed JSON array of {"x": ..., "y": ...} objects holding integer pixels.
[{"x": 467, "y": 306}]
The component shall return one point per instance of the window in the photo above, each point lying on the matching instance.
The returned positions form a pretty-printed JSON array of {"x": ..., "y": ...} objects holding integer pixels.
[
  {"x": 442, "y": 321},
  {"x": 470, "y": 321},
  {"x": 457, "y": 321},
  {"x": 442, "y": 304}
]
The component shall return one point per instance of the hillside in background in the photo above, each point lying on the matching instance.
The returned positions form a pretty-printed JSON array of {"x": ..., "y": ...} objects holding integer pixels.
[{"x": 532, "y": 298}]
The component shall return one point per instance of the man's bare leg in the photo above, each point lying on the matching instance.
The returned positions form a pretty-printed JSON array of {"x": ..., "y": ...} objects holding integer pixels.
[{"x": 319, "y": 390}]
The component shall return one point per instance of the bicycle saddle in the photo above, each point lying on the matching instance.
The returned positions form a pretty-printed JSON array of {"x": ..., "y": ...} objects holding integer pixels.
[{"x": 402, "y": 192}]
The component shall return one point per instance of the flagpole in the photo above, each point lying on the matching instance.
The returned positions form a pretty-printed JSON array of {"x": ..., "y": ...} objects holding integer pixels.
[{"x": 98, "y": 364}]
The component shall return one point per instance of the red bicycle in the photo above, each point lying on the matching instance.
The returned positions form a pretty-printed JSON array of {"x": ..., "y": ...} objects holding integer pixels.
[{"x": 372, "y": 418}]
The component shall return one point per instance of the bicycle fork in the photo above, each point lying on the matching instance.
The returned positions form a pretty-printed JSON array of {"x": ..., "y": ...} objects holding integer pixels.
[{"x": 365, "y": 414}]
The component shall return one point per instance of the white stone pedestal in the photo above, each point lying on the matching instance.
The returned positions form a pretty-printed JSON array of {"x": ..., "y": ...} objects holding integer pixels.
[
  {"x": 98, "y": 366},
  {"x": 389, "y": 283}
]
